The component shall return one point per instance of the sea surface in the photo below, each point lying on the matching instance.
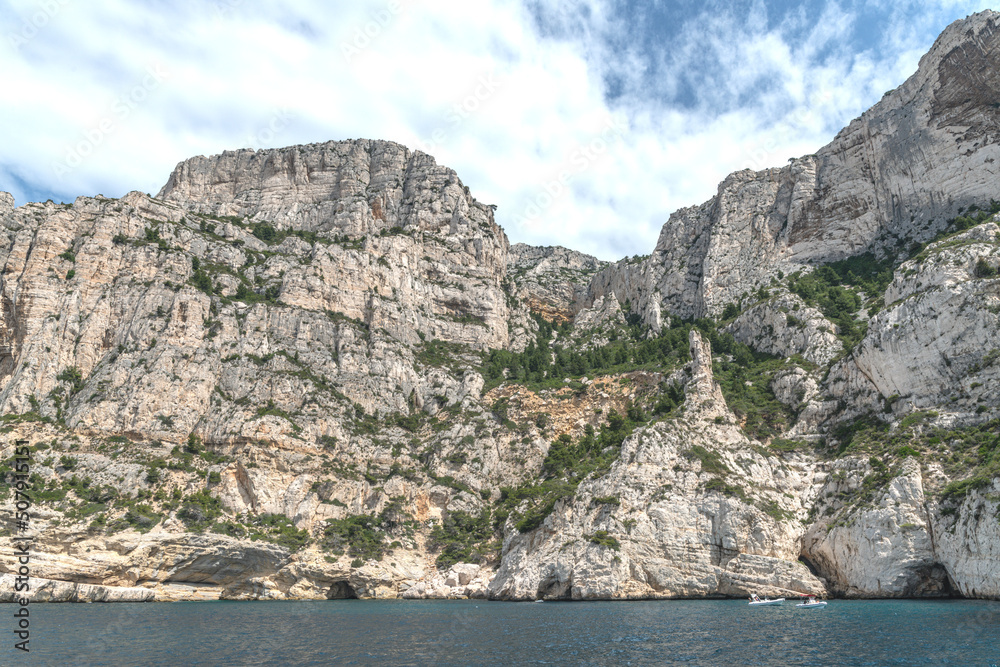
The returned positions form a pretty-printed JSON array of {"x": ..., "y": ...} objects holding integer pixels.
[{"x": 467, "y": 632}]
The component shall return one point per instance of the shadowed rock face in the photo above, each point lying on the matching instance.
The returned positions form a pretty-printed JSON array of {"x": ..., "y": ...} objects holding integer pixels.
[{"x": 925, "y": 150}]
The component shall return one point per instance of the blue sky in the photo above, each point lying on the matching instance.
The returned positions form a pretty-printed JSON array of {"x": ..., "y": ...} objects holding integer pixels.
[{"x": 586, "y": 122}]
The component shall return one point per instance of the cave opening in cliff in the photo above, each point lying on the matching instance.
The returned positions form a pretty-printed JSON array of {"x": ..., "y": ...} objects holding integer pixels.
[
  {"x": 933, "y": 580},
  {"x": 812, "y": 568},
  {"x": 552, "y": 588},
  {"x": 341, "y": 590}
]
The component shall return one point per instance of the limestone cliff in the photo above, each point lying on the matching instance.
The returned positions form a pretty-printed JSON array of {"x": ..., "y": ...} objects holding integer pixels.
[
  {"x": 656, "y": 524},
  {"x": 892, "y": 176},
  {"x": 307, "y": 349},
  {"x": 313, "y": 372},
  {"x": 552, "y": 280}
]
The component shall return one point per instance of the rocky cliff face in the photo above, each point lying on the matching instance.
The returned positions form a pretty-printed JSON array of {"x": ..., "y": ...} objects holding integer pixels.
[
  {"x": 158, "y": 305},
  {"x": 431, "y": 258},
  {"x": 552, "y": 280},
  {"x": 313, "y": 373},
  {"x": 656, "y": 525},
  {"x": 931, "y": 345},
  {"x": 278, "y": 337},
  {"x": 892, "y": 176}
]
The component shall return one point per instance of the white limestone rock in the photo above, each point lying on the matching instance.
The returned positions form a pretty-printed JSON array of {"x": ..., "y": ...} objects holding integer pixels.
[
  {"x": 50, "y": 590},
  {"x": 898, "y": 542},
  {"x": 795, "y": 387},
  {"x": 784, "y": 325},
  {"x": 885, "y": 549},
  {"x": 594, "y": 326},
  {"x": 936, "y": 345},
  {"x": 967, "y": 542},
  {"x": 6, "y": 203},
  {"x": 552, "y": 280},
  {"x": 677, "y": 535}
]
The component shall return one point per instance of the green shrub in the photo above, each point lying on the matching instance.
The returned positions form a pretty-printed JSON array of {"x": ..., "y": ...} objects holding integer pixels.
[
  {"x": 267, "y": 233},
  {"x": 73, "y": 376},
  {"x": 411, "y": 423},
  {"x": 957, "y": 490},
  {"x": 984, "y": 269},
  {"x": 142, "y": 518},
  {"x": 783, "y": 445},
  {"x": 202, "y": 281},
  {"x": 199, "y": 510},
  {"x": 566, "y": 465},
  {"x": 358, "y": 535},
  {"x": 710, "y": 460},
  {"x": 463, "y": 538},
  {"x": 538, "y": 369},
  {"x": 602, "y": 538},
  {"x": 278, "y": 529},
  {"x": 46, "y": 495},
  {"x": 723, "y": 487},
  {"x": 773, "y": 510},
  {"x": 193, "y": 444},
  {"x": 230, "y": 528}
]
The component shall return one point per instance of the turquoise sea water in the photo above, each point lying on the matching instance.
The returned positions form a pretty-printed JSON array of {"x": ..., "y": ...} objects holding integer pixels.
[{"x": 356, "y": 632}]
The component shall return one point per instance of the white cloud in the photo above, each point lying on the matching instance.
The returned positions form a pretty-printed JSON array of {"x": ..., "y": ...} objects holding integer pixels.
[{"x": 506, "y": 104}]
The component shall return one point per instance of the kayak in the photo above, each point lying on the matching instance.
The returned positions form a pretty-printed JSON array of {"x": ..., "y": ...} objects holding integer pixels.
[{"x": 766, "y": 601}]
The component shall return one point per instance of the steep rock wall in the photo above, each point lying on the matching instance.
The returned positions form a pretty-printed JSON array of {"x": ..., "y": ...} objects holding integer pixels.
[{"x": 928, "y": 148}]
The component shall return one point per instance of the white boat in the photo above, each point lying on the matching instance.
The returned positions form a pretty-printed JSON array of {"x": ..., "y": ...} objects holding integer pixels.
[
  {"x": 758, "y": 603},
  {"x": 811, "y": 603}
]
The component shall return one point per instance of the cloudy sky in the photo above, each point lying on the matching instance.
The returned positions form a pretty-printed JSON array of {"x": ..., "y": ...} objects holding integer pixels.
[{"x": 585, "y": 121}]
